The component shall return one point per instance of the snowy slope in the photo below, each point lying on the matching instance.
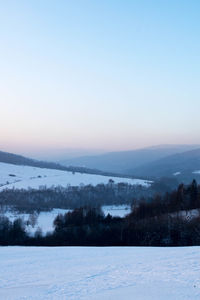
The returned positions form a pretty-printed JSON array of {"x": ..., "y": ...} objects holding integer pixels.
[
  {"x": 25, "y": 176},
  {"x": 74, "y": 273}
]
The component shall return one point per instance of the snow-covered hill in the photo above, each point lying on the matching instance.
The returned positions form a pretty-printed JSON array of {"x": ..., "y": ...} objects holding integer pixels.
[
  {"x": 80, "y": 273},
  {"x": 183, "y": 163},
  {"x": 14, "y": 176}
]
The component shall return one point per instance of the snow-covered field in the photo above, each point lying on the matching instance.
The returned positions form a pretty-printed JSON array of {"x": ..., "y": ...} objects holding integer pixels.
[
  {"x": 44, "y": 220},
  {"x": 13, "y": 176},
  {"x": 74, "y": 273},
  {"x": 116, "y": 210}
]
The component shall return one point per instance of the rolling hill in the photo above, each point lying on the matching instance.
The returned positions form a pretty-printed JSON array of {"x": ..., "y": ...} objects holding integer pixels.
[
  {"x": 23, "y": 177},
  {"x": 182, "y": 165},
  {"x": 124, "y": 161},
  {"x": 15, "y": 159}
]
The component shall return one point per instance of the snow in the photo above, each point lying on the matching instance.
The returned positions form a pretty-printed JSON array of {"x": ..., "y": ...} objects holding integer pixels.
[
  {"x": 141, "y": 273},
  {"x": 196, "y": 172},
  {"x": 177, "y": 173},
  {"x": 25, "y": 177},
  {"x": 44, "y": 221},
  {"x": 116, "y": 210}
]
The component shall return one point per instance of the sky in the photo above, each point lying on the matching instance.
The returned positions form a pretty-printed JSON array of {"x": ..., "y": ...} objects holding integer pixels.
[{"x": 98, "y": 75}]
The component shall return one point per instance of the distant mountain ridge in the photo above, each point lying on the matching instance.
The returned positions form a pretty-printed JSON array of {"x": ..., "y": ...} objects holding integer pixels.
[
  {"x": 181, "y": 165},
  {"x": 177, "y": 161},
  {"x": 127, "y": 161}
]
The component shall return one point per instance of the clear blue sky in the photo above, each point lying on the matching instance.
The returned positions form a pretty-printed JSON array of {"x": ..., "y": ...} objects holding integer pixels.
[{"x": 99, "y": 74}]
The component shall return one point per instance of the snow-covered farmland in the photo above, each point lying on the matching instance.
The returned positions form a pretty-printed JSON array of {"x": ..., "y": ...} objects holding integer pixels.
[
  {"x": 75, "y": 273},
  {"x": 14, "y": 176}
]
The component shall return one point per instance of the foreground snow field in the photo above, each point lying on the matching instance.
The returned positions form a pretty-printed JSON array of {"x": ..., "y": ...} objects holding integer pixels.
[
  {"x": 13, "y": 176},
  {"x": 132, "y": 273}
]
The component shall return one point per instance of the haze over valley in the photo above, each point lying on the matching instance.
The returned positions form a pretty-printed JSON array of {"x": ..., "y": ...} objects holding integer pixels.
[{"x": 99, "y": 150}]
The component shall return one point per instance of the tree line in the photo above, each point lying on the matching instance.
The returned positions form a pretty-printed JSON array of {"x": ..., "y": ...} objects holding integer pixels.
[
  {"x": 71, "y": 197},
  {"x": 158, "y": 222}
]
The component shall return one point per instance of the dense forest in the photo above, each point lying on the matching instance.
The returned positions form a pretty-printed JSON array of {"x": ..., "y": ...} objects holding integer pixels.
[
  {"x": 71, "y": 197},
  {"x": 158, "y": 222},
  {"x": 45, "y": 199}
]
